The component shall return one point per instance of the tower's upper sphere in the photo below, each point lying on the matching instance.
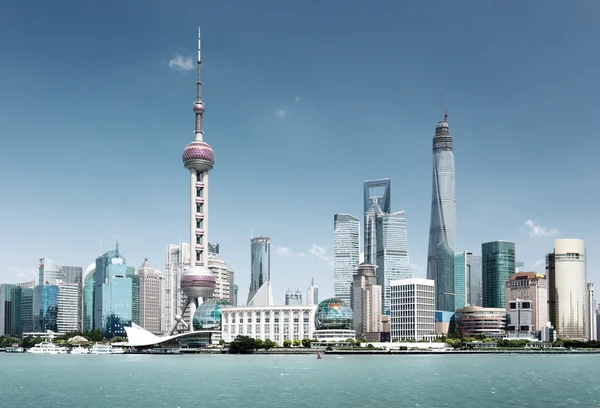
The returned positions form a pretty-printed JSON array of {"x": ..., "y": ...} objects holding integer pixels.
[
  {"x": 198, "y": 282},
  {"x": 198, "y": 155}
]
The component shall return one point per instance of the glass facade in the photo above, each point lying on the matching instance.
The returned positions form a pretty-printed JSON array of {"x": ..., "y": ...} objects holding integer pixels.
[
  {"x": 208, "y": 314},
  {"x": 116, "y": 302},
  {"x": 346, "y": 244},
  {"x": 135, "y": 294},
  {"x": 100, "y": 278},
  {"x": 392, "y": 253},
  {"x": 443, "y": 201},
  {"x": 10, "y": 311},
  {"x": 444, "y": 279},
  {"x": 461, "y": 272},
  {"x": 474, "y": 280},
  {"x": 333, "y": 314},
  {"x": 45, "y": 308},
  {"x": 88, "y": 302},
  {"x": 27, "y": 295},
  {"x": 260, "y": 263},
  {"x": 498, "y": 261}
]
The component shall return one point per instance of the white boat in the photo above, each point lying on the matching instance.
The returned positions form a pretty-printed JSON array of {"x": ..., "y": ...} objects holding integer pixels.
[
  {"x": 80, "y": 350},
  {"x": 100, "y": 348},
  {"x": 47, "y": 348}
]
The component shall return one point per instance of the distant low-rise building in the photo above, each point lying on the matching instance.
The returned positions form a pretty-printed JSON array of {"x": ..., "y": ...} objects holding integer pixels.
[
  {"x": 442, "y": 322},
  {"x": 473, "y": 320},
  {"x": 277, "y": 323}
]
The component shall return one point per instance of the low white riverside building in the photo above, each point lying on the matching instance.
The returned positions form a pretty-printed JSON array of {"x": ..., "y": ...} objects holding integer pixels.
[
  {"x": 277, "y": 323},
  {"x": 413, "y": 309}
]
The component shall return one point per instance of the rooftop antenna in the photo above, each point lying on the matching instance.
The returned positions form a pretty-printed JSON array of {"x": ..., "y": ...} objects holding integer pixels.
[{"x": 444, "y": 108}]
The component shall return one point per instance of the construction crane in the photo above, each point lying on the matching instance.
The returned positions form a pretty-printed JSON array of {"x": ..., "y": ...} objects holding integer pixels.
[{"x": 444, "y": 108}]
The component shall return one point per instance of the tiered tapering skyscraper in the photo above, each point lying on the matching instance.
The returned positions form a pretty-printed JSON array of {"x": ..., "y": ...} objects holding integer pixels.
[
  {"x": 197, "y": 283},
  {"x": 443, "y": 201}
]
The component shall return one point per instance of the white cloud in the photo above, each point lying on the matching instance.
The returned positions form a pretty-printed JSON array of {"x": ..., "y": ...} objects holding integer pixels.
[
  {"x": 537, "y": 230},
  {"x": 21, "y": 274},
  {"x": 537, "y": 263},
  {"x": 181, "y": 63},
  {"x": 280, "y": 113},
  {"x": 319, "y": 252},
  {"x": 284, "y": 251},
  {"x": 297, "y": 99}
]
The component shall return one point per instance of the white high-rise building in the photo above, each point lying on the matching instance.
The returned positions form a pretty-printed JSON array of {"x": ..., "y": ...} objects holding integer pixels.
[
  {"x": 312, "y": 295},
  {"x": 346, "y": 243},
  {"x": 151, "y": 287},
  {"x": 69, "y": 303},
  {"x": 567, "y": 284},
  {"x": 392, "y": 253},
  {"x": 178, "y": 259},
  {"x": 591, "y": 312},
  {"x": 412, "y": 309},
  {"x": 221, "y": 272}
]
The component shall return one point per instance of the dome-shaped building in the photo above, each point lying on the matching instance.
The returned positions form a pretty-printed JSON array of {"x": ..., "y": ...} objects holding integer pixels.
[
  {"x": 333, "y": 321},
  {"x": 208, "y": 314}
]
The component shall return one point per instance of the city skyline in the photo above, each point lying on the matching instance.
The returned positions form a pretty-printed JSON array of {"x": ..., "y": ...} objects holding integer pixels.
[{"x": 261, "y": 114}]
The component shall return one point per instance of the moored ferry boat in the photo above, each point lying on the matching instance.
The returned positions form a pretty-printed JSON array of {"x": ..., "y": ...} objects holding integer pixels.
[
  {"x": 47, "y": 348},
  {"x": 100, "y": 348},
  {"x": 80, "y": 350}
]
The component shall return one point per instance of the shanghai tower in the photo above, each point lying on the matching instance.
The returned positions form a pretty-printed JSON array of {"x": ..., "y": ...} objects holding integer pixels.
[{"x": 442, "y": 228}]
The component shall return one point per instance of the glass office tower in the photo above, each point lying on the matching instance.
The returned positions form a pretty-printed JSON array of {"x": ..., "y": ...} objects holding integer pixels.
[
  {"x": 45, "y": 308},
  {"x": 445, "y": 293},
  {"x": 260, "y": 263},
  {"x": 27, "y": 295},
  {"x": 392, "y": 253},
  {"x": 498, "y": 260},
  {"x": 346, "y": 243},
  {"x": 10, "y": 310},
  {"x": 88, "y": 300},
  {"x": 116, "y": 301},
  {"x": 474, "y": 279}
]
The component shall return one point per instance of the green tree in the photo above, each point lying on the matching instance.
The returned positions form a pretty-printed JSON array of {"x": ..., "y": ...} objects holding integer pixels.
[
  {"x": 269, "y": 344},
  {"x": 297, "y": 343},
  {"x": 7, "y": 341},
  {"x": 287, "y": 343},
  {"x": 94, "y": 335},
  {"x": 306, "y": 343},
  {"x": 30, "y": 341},
  {"x": 259, "y": 344},
  {"x": 351, "y": 341},
  {"x": 242, "y": 345},
  {"x": 118, "y": 339},
  {"x": 221, "y": 342}
]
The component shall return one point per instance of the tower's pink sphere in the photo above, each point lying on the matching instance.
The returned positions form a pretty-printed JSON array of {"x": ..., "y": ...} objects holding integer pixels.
[
  {"x": 198, "y": 155},
  {"x": 198, "y": 282}
]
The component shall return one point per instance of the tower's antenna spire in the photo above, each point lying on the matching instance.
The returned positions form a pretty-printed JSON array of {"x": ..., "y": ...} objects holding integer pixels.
[
  {"x": 443, "y": 107},
  {"x": 199, "y": 105}
]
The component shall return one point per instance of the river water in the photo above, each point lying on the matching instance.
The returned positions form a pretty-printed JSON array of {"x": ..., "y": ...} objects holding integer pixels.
[{"x": 463, "y": 381}]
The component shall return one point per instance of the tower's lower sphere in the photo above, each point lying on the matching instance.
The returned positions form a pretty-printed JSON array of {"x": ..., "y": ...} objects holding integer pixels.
[
  {"x": 198, "y": 155},
  {"x": 333, "y": 314},
  {"x": 208, "y": 314},
  {"x": 198, "y": 282}
]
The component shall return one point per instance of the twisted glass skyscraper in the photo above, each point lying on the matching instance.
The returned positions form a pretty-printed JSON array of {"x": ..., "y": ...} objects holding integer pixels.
[{"x": 443, "y": 199}]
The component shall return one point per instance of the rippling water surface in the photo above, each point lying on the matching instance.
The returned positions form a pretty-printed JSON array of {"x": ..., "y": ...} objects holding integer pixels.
[{"x": 299, "y": 381}]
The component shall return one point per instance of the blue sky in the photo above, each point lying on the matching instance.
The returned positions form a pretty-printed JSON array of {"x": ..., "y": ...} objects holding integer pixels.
[{"x": 304, "y": 102}]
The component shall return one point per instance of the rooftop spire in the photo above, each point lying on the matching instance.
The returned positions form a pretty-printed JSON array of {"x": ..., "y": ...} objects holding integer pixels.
[{"x": 199, "y": 105}]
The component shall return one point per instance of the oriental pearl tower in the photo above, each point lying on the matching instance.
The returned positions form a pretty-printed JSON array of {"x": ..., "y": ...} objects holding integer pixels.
[{"x": 197, "y": 282}]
